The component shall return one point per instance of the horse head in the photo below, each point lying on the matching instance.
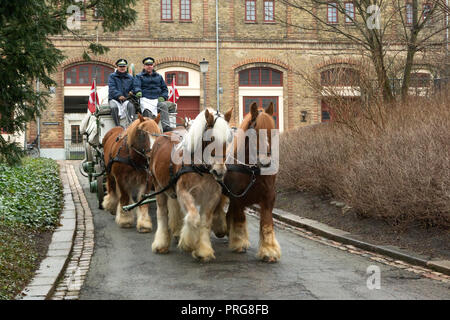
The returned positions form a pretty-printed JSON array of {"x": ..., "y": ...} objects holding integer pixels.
[
  {"x": 257, "y": 124},
  {"x": 207, "y": 139},
  {"x": 142, "y": 133}
]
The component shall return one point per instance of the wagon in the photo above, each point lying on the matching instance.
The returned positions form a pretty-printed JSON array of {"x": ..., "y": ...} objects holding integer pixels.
[{"x": 94, "y": 128}]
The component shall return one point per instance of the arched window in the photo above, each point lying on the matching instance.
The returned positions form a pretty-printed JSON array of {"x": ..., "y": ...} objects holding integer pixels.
[
  {"x": 260, "y": 77},
  {"x": 84, "y": 74},
  {"x": 339, "y": 76}
]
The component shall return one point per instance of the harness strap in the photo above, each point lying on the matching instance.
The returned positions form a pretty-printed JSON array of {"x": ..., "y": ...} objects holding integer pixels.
[{"x": 173, "y": 179}]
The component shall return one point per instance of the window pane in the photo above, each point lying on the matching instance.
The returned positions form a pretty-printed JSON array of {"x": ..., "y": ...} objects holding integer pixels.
[
  {"x": 182, "y": 79},
  {"x": 254, "y": 76},
  {"x": 350, "y": 12},
  {"x": 71, "y": 76},
  {"x": 268, "y": 11},
  {"x": 166, "y": 9},
  {"x": 250, "y": 7},
  {"x": 185, "y": 9},
  {"x": 332, "y": 13},
  {"x": 106, "y": 73},
  {"x": 276, "y": 78},
  {"x": 169, "y": 77},
  {"x": 409, "y": 13},
  {"x": 243, "y": 78},
  {"x": 265, "y": 77},
  {"x": 83, "y": 75},
  {"x": 97, "y": 74},
  {"x": 248, "y": 102}
]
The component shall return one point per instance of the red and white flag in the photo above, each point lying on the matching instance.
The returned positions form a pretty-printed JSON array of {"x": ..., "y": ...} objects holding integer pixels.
[
  {"x": 173, "y": 92},
  {"x": 93, "y": 98}
]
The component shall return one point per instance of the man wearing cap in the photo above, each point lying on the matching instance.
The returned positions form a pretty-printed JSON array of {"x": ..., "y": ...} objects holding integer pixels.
[
  {"x": 120, "y": 83},
  {"x": 152, "y": 89}
]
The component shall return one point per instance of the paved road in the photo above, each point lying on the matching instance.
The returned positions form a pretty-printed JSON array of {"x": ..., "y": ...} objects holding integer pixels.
[{"x": 123, "y": 267}]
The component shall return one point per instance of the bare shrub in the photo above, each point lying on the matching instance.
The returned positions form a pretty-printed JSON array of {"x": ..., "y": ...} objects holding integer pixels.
[{"x": 394, "y": 165}]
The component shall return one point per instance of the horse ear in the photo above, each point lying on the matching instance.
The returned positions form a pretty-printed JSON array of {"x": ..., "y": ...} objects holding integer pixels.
[
  {"x": 269, "y": 109},
  {"x": 228, "y": 115},
  {"x": 254, "y": 110},
  {"x": 141, "y": 118},
  {"x": 209, "y": 118},
  {"x": 158, "y": 117}
]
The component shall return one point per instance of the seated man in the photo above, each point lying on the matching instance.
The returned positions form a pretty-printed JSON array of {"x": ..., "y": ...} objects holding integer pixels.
[
  {"x": 120, "y": 83},
  {"x": 152, "y": 89}
]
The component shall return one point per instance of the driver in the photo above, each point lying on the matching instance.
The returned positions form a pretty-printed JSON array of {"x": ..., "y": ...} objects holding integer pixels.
[
  {"x": 120, "y": 83},
  {"x": 152, "y": 89}
]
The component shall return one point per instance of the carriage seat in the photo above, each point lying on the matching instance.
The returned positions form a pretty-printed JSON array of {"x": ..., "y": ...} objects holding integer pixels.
[{"x": 105, "y": 109}]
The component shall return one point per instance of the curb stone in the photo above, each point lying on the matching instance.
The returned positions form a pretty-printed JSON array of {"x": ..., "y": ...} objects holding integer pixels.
[
  {"x": 45, "y": 280},
  {"x": 347, "y": 238}
]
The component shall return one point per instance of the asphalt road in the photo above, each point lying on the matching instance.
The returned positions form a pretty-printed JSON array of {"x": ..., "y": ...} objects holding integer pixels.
[{"x": 124, "y": 267}]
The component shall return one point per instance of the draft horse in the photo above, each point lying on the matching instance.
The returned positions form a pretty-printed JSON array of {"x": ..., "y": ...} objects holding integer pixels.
[
  {"x": 126, "y": 156},
  {"x": 190, "y": 190},
  {"x": 249, "y": 187}
]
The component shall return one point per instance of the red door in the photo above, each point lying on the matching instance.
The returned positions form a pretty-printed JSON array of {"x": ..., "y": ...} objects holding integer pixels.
[
  {"x": 188, "y": 107},
  {"x": 263, "y": 102}
]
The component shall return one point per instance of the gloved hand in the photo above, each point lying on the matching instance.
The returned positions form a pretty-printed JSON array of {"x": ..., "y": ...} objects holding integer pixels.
[
  {"x": 139, "y": 94},
  {"x": 161, "y": 99},
  {"x": 122, "y": 98}
]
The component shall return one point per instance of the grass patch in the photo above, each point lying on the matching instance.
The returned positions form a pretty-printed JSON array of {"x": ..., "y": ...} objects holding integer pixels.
[{"x": 31, "y": 200}]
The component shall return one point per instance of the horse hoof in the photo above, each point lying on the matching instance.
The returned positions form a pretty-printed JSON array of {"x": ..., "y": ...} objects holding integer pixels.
[
  {"x": 126, "y": 225},
  {"x": 220, "y": 234},
  {"x": 161, "y": 250},
  {"x": 144, "y": 230},
  {"x": 240, "y": 250},
  {"x": 269, "y": 259}
]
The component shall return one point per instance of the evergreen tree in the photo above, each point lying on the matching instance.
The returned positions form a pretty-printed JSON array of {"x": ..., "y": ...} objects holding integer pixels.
[{"x": 27, "y": 54}]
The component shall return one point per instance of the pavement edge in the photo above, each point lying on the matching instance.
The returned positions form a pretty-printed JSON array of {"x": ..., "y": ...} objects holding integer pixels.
[
  {"x": 347, "y": 238},
  {"x": 51, "y": 268}
]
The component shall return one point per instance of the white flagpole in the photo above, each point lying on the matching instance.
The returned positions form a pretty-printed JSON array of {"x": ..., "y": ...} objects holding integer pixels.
[{"x": 95, "y": 94}]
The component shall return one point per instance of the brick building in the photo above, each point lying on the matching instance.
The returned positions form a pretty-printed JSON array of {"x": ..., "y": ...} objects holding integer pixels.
[{"x": 259, "y": 60}]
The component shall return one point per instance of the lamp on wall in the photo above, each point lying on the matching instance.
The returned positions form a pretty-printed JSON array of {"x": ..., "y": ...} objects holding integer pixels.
[
  {"x": 203, "y": 69},
  {"x": 304, "y": 113}
]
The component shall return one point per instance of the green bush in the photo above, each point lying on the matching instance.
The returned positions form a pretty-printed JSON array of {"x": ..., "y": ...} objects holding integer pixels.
[{"x": 31, "y": 194}]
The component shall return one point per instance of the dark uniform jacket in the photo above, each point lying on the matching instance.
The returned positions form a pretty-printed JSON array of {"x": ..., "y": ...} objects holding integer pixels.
[
  {"x": 119, "y": 83},
  {"x": 151, "y": 85}
]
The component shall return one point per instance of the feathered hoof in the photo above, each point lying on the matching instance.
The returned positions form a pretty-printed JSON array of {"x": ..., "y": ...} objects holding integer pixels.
[
  {"x": 144, "y": 229},
  {"x": 161, "y": 250},
  {"x": 269, "y": 254},
  {"x": 239, "y": 246},
  {"x": 204, "y": 255}
]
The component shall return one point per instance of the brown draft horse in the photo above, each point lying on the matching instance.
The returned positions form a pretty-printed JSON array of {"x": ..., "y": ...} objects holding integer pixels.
[
  {"x": 126, "y": 159},
  {"x": 262, "y": 192},
  {"x": 196, "y": 193}
]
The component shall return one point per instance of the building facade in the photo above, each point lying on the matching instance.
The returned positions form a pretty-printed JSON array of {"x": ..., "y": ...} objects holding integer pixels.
[{"x": 259, "y": 60}]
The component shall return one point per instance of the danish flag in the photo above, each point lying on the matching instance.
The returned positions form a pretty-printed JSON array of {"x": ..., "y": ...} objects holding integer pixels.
[
  {"x": 93, "y": 98},
  {"x": 173, "y": 92}
]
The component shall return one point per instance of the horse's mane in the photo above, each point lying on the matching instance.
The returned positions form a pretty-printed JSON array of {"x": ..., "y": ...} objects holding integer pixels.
[
  {"x": 263, "y": 121},
  {"x": 221, "y": 131},
  {"x": 131, "y": 132}
]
